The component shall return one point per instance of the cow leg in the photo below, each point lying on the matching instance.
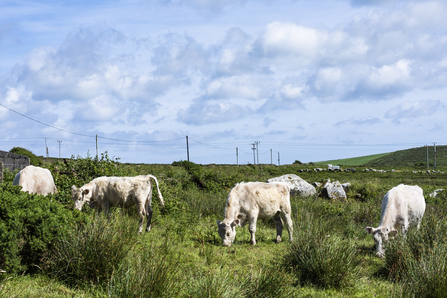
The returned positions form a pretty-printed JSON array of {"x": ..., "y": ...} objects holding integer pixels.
[
  {"x": 252, "y": 227},
  {"x": 289, "y": 225},
  {"x": 149, "y": 215},
  {"x": 142, "y": 213},
  {"x": 279, "y": 226}
]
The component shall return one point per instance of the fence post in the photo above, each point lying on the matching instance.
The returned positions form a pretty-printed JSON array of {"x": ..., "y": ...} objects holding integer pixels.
[{"x": 1, "y": 172}]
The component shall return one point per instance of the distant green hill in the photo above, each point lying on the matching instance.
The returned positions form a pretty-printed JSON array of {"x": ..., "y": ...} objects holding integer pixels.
[
  {"x": 414, "y": 158},
  {"x": 354, "y": 161}
]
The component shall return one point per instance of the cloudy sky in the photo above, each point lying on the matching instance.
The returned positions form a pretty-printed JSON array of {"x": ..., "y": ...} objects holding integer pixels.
[{"x": 309, "y": 80}]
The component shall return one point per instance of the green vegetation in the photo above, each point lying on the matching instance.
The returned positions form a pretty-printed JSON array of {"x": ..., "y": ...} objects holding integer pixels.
[
  {"x": 354, "y": 161},
  {"x": 49, "y": 249},
  {"x": 33, "y": 159},
  {"x": 415, "y": 158}
]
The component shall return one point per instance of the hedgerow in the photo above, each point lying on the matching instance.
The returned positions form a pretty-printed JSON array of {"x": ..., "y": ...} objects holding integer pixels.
[{"x": 29, "y": 225}]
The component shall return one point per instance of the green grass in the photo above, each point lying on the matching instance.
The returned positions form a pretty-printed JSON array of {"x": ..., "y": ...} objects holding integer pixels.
[
  {"x": 182, "y": 256},
  {"x": 353, "y": 161},
  {"x": 415, "y": 158}
]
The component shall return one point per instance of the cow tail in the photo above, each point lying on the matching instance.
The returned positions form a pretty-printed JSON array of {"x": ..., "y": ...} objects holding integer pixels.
[{"x": 159, "y": 193}]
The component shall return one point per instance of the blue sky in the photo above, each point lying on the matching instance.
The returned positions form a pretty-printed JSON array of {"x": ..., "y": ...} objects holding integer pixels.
[{"x": 308, "y": 80}]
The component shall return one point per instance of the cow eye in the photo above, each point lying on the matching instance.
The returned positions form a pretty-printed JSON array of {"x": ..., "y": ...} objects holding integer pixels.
[{"x": 228, "y": 234}]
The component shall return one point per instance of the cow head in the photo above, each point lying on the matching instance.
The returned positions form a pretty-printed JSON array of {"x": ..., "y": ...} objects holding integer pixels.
[
  {"x": 80, "y": 196},
  {"x": 380, "y": 236},
  {"x": 227, "y": 231}
]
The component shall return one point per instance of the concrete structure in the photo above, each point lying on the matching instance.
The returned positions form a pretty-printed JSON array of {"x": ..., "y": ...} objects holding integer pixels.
[{"x": 12, "y": 161}]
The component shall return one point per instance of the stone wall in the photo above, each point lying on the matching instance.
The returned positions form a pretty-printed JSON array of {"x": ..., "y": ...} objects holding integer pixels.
[{"x": 12, "y": 161}]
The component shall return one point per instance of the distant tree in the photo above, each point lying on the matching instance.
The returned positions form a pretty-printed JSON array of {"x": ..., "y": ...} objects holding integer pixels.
[
  {"x": 33, "y": 159},
  {"x": 297, "y": 162}
]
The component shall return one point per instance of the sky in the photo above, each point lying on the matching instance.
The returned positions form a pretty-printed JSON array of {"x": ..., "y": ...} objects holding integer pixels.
[{"x": 308, "y": 80}]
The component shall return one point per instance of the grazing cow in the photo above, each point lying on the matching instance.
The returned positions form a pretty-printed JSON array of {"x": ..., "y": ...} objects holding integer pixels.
[
  {"x": 35, "y": 180},
  {"x": 253, "y": 200},
  {"x": 402, "y": 206},
  {"x": 105, "y": 192}
]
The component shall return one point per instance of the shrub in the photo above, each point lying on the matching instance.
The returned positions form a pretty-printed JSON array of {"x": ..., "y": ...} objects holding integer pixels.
[
  {"x": 29, "y": 226},
  {"x": 90, "y": 253},
  {"x": 33, "y": 159},
  {"x": 79, "y": 171},
  {"x": 417, "y": 261},
  {"x": 319, "y": 256}
]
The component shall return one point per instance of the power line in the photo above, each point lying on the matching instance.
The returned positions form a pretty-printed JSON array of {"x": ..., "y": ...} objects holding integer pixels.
[{"x": 77, "y": 133}]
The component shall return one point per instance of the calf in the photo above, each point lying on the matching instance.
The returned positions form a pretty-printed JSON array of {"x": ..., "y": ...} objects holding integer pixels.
[
  {"x": 253, "y": 200},
  {"x": 35, "y": 180},
  {"x": 105, "y": 192},
  {"x": 402, "y": 206}
]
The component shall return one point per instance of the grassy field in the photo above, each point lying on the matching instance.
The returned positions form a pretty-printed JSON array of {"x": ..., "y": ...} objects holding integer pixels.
[
  {"x": 354, "y": 161},
  {"x": 414, "y": 158},
  {"x": 182, "y": 256}
]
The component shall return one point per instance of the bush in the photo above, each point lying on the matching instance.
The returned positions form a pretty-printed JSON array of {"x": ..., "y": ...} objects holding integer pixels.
[
  {"x": 417, "y": 261},
  {"x": 33, "y": 159},
  {"x": 29, "y": 226},
  {"x": 90, "y": 253},
  {"x": 79, "y": 171},
  {"x": 319, "y": 256}
]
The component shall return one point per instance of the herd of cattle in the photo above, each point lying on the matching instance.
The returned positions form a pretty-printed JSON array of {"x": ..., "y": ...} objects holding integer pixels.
[{"x": 402, "y": 206}]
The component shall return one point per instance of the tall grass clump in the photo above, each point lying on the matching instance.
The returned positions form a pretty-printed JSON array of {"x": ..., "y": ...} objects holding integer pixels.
[
  {"x": 146, "y": 272},
  {"x": 417, "y": 261},
  {"x": 217, "y": 284},
  {"x": 90, "y": 253},
  {"x": 269, "y": 282},
  {"x": 320, "y": 256}
]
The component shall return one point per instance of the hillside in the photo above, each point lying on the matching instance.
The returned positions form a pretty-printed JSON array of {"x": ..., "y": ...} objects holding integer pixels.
[
  {"x": 414, "y": 157},
  {"x": 354, "y": 161}
]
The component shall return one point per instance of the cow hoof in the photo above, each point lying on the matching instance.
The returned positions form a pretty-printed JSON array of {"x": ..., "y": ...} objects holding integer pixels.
[{"x": 278, "y": 239}]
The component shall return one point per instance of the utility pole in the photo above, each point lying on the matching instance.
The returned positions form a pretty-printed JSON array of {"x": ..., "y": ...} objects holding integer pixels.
[
  {"x": 434, "y": 144},
  {"x": 59, "y": 148},
  {"x": 271, "y": 158},
  {"x": 279, "y": 163},
  {"x": 237, "y": 157},
  {"x": 46, "y": 147},
  {"x": 97, "y": 158},
  {"x": 254, "y": 152},
  {"x": 426, "y": 146},
  {"x": 257, "y": 150},
  {"x": 187, "y": 148}
]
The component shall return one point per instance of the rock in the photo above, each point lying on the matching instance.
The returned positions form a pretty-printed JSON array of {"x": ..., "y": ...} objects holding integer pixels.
[
  {"x": 298, "y": 186},
  {"x": 334, "y": 191}
]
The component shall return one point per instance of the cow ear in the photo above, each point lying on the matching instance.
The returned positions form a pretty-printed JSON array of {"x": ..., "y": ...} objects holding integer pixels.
[
  {"x": 370, "y": 230},
  {"x": 73, "y": 188},
  {"x": 86, "y": 191},
  {"x": 218, "y": 222}
]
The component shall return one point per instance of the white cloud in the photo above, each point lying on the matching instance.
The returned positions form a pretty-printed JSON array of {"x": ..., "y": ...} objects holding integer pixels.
[
  {"x": 307, "y": 46},
  {"x": 209, "y": 113},
  {"x": 412, "y": 110}
]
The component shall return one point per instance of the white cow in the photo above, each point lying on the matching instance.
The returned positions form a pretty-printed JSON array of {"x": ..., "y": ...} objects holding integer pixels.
[
  {"x": 402, "y": 206},
  {"x": 253, "y": 200},
  {"x": 105, "y": 192},
  {"x": 35, "y": 180}
]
